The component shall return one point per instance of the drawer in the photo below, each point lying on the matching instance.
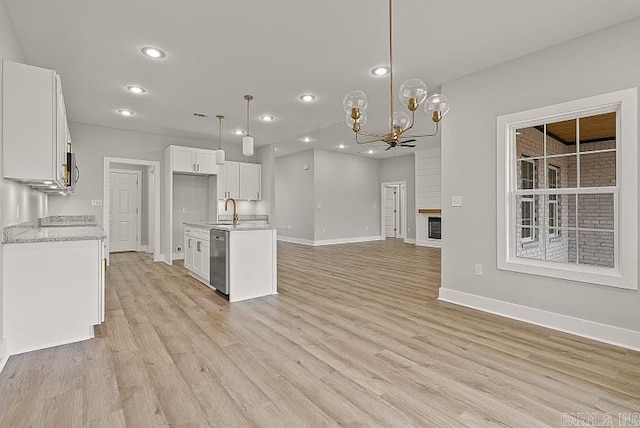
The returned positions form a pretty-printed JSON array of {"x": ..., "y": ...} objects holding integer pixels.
[{"x": 201, "y": 234}]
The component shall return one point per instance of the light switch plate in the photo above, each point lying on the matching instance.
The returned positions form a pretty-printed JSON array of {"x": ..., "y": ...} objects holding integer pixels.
[
  {"x": 478, "y": 270},
  {"x": 456, "y": 201},
  {"x": 96, "y": 202}
]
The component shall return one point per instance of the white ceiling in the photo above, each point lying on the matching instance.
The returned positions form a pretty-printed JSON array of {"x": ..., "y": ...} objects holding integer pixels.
[{"x": 217, "y": 51}]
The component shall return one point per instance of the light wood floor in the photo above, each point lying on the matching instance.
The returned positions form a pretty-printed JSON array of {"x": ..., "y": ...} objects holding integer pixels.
[{"x": 356, "y": 337}]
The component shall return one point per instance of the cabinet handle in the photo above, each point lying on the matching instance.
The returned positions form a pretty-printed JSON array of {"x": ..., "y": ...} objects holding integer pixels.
[
  {"x": 198, "y": 167},
  {"x": 198, "y": 246},
  {"x": 189, "y": 244},
  {"x": 194, "y": 166}
]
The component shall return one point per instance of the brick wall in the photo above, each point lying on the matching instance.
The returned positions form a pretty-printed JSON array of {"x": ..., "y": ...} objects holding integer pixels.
[{"x": 595, "y": 211}]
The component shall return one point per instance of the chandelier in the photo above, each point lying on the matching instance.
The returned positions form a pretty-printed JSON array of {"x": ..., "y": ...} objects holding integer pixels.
[{"x": 413, "y": 93}]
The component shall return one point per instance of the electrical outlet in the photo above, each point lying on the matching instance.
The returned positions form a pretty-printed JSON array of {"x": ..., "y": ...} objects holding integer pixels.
[
  {"x": 96, "y": 202},
  {"x": 319, "y": 206},
  {"x": 184, "y": 210},
  {"x": 366, "y": 228},
  {"x": 456, "y": 201},
  {"x": 478, "y": 270}
]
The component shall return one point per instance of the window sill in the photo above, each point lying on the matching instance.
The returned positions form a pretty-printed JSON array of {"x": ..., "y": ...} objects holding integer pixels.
[{"x": 581, "y": 273}]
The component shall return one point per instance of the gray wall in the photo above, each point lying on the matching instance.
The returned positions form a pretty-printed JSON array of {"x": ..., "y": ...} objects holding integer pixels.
[
  {"x": 403, "y": 168},
  {"x": 295, "y": 195},
  {"x": 604, "y": 61},
  {"x": 347, "y": 187},
  {"x": 190, "y": 193}
]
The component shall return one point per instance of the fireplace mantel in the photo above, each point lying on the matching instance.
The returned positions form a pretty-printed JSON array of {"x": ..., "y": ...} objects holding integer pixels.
[{"x": 429, "y": 211}]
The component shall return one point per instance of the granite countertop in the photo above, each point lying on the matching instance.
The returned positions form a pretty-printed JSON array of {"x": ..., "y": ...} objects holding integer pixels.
[
  {"x": 56, "y": 234},
  {"x": 241, "y": 226},
  {"x": 54, "y": 229}
]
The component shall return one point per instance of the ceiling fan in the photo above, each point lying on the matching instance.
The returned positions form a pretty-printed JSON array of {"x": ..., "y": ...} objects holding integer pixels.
[{"x": 393, "y": 144}]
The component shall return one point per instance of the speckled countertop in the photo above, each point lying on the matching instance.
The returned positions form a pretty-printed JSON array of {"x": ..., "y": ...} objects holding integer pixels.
[
  {"x": 54, "y": 229},
  {"x": 230, "y": 227}
]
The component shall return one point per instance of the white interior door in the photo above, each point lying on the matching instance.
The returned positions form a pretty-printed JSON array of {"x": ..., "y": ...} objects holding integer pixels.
[
  {"x": 392, "y": 211},
  {"x": 123, "y": 211}
]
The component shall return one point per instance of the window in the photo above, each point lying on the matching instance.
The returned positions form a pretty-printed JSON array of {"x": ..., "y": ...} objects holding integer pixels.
[
  {"x": 527, "y": 181},
  {"x": 562, "y": 181},
  {"x": 552, "y": 205}
]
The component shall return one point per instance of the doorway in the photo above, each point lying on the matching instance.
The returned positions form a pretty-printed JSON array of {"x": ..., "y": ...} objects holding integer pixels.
[
  {"x": 393, "y": 210},
  {"x": 131, "y": 208},
  {"x": 125, "y": 210}
]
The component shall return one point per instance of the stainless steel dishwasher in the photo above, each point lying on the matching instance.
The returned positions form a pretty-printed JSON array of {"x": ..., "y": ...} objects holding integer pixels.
[{"x": 219, "y": 262}]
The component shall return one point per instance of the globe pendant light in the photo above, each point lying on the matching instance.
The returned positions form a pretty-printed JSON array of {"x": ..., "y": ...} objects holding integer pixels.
[
  {"x": 247, "y": 140},
  {"x": 412, "y": 94},
  {"x": 220, "y": 156}
]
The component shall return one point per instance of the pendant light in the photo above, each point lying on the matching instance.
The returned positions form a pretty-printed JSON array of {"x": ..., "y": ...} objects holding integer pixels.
[
  {"x": 220, "y": 156},
  {"x": 247, "y": 140}
]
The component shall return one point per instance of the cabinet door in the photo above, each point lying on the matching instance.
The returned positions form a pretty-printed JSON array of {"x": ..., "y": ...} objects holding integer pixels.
[
  {"x": 188, "y": 252},
  {"x": 233, "y": 180},
  {"x": 222, "y": 181},
  {"x": 205, "y": 259},
  {"x": 61, "y": 136},
  {"x": 206, "y": 162},
  {"x": 250, "y": 181},
  {"x": 184, "y": 159},
  {"x": 197, "y": 257}
]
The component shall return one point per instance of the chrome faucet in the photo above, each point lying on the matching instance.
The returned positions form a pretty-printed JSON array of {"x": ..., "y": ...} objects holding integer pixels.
[{"x": 235, "y": 209}]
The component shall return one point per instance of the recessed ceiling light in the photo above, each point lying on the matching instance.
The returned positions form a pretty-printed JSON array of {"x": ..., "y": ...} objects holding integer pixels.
[
  {"x": 342, "y": 146},
  {"x": 48, "y": 182},
  {"x": 136, "y": 89},
  {"x": 306, "y": 140},
  {"x": 238, "y": 131},
  {"x": 370, "y": 152},
  {"x": 307, "y": 98},
  {"x": 153, "y": 52},
  {"x": 276, "y": 149},
  {"x": 267, "y": 118},
  {"x": 125, "y": 112},
  {"x": 381, "y": 70}
]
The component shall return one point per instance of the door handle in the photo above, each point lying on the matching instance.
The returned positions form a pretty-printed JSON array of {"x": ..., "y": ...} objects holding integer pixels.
[{"x": 189, "y": 243}]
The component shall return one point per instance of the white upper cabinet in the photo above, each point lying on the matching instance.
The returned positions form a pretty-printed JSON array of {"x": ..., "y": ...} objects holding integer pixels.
[
  {"x": 250, "y": 183},
  {"x": 35, "y": 131},
  {"x": 189, "y": 160},
  {"x": 184, "y": 159},
  {"x": 240, "y": 180},
  {"x": 206, "y": 161}
]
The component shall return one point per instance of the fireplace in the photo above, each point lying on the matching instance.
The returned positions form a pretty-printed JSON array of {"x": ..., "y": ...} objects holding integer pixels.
[{"x": 435, "y": 227}]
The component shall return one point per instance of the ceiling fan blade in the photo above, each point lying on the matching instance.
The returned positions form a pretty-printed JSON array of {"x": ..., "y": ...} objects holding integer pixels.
[
  {"x": 388, "y": 148},
  {"x": 409, "y": 141},
  {"x": 407, "y": 145}
]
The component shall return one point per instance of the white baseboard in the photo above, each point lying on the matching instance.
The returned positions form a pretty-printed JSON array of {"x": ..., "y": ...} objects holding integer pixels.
[
  {"x": 145, "y": 249},
  {"x": 178, "y": 256},
  {"x": 617, "y": 336},
  {"x": 429, "y": 243},
  {"x": 295, "y": 240},
  {"x": 347, "y": 240},
  {"x": 409, "y": 241},
  {"x": 4, "y": 354}
]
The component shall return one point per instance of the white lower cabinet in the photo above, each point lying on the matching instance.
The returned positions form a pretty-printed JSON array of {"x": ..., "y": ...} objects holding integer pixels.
[
  {"x": 196, "y": 252},
  {"x": 57, "y": 302}
]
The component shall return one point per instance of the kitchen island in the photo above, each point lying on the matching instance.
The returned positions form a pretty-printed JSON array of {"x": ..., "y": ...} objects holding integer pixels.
[{"x": 237, "y": 260}]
